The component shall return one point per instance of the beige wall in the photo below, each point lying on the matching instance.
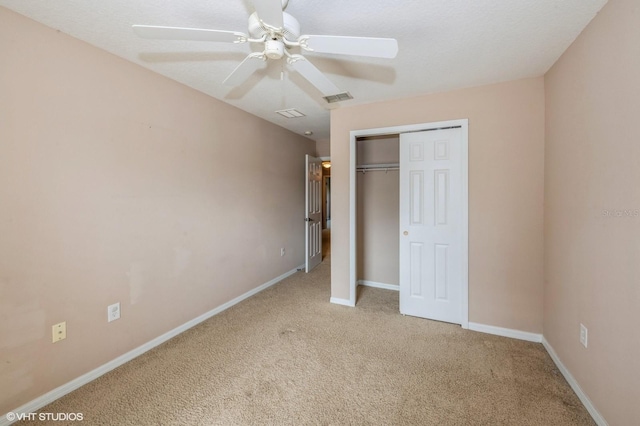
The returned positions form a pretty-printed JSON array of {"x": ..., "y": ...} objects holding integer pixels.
[
  {"x": 377, "y": 231},
  {"x": 592, "y": 159},
  {"x": 378, "y": 212},
  {"x": 117, "y": 184},
  {"x": 506, "y": 154},
  {"x": 378, "y": 150},
  {"x": 323, "y": 148}
]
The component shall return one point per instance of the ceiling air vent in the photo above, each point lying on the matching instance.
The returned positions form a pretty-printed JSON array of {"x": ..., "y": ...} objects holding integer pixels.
[
  {"x": 344, "y": 96},
  {"x": 290, "y": 113}
]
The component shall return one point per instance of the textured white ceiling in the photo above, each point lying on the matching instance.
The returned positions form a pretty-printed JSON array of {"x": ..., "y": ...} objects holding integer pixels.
[{"x": 443, "y": 45}]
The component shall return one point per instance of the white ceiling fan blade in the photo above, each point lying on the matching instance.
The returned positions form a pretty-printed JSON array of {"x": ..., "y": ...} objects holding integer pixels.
[
  {"x": 196, "y": 34},
  {"x": 248, "y": 66},
  {"x": 270, "y": 12},
  {"x": 359, "y": 46},
  {"x": 313, "y": 75}
]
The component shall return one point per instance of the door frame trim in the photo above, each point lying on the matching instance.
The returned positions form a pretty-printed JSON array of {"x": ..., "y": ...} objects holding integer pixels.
[{"x": 394, "y": 130}]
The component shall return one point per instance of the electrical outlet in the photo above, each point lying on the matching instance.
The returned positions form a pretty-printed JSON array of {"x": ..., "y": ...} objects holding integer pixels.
[
  {"x": 59, "y": 332},
  {"x": 113, "y": 312},
  {"x": 583, "y": 335},
  {"x": 282, "y": 252}
]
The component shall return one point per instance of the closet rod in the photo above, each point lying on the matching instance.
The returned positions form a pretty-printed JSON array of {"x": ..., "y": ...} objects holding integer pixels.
[
  {"x": 377, "y": 167},
  {"x": 386, "y": 169}
]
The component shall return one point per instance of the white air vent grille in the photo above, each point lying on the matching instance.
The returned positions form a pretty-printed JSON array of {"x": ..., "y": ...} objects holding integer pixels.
[
  {"x": 290, "y": 113},
  {"x": 345, "y": 96}
]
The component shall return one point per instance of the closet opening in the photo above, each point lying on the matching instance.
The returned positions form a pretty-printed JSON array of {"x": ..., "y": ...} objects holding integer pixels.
[{"x": 377, "y": 211}]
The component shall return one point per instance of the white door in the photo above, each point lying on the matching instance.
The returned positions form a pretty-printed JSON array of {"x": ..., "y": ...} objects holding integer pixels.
[
  {"x": 432, "y": 232},
  {"x": 313, "y": 217}
]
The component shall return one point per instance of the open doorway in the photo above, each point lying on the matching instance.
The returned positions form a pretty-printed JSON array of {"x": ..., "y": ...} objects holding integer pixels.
[
  {"x": 326, "y": 209},
  {"x": 326, "y": 202}
]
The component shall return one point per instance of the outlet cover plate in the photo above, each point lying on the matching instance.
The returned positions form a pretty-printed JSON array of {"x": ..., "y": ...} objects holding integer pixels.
[
  {"x": 113, "y": 312},
  {"x": 59, "y": 332}
]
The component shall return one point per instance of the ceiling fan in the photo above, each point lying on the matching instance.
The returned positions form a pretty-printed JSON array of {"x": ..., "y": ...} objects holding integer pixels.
[{"x": 279, "y": 32}]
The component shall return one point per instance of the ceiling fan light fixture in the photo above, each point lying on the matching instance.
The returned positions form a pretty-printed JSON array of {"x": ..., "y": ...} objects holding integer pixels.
[
  {"x": 338, "y": 97},
  {"x": 274, "y": 49}
]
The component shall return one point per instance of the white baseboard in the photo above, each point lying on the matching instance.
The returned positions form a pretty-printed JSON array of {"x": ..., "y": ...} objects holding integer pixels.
[
  {"x": 539, "y": 338},
  {"x": 60, "y": 391},
  {"x": 345, "y": 302},
  {"x": 597, "y": 417},
  {"x": 379, "y": 285},
  {"x": 506, "y": 332}
]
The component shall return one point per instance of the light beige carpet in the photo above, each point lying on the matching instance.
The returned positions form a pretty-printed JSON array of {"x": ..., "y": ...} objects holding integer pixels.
[{"x": 288, "y": 357}]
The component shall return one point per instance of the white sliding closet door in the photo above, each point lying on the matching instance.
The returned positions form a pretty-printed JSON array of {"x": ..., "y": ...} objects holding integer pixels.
[{"x": 433, "y": 243}]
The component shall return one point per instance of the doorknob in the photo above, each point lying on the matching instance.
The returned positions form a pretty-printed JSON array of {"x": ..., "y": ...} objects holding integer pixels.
[
  {"x": 405, "y": 233},
  {"x": 308, "y": 219}
]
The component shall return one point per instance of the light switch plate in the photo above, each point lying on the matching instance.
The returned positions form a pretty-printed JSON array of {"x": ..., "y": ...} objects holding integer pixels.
[{"x": 584, "y": 335}]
